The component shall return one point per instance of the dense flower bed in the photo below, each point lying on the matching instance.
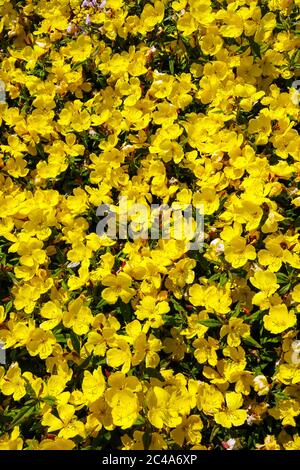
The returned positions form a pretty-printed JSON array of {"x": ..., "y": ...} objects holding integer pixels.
[{"x": 144, "y": 344}]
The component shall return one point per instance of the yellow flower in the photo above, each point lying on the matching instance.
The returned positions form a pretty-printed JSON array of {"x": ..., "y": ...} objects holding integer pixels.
[
  {"x": 232, "y": 415},
  {"x": 235, "y": 330},
  {"x": 123, "y": 400},
  {"x": 175, "y": 346},
  {"x": 237, "y": 252},
  {"x": 16, "y": 167},
  {"x": 80, "y": 49},
  {"x": 181, "y": 275},
  {"x": 100, "y": 416},
  {"x": 266, "y": 282},
  {"x": 40, "y": 343},
  {"x": 186, "y": 24},
  {"x": 233, "y": 24},
  {"x": 217, "y": 300},
  {"x": 194, "y": 326},
  {"x": 293, "y": 444},
  {"x": 2, "y": 315},
  {"x": 286, "y": 411},
  {"x": 119, "y": 286},
  {"x": 296, "y": 293},
  {"x": 166, "y": 103},
  {"x": 161, "y": 411},
  {"x": 68, "y": 424},
  {"x": 205, "y": 350},
  {"x": 261, "y": 385},
  {"x": 262, "y": 127},
  {"x": 151, "y": 15},
  {"x": 209, "y": 400},
  {"x": 197, "y": 295},
  {"x": 211, "y": 43},
  {"x": 12, "y": 441},
  {"x": 119, "y": 354},
  {"x": 279, "y": 319},
  {"x": 145, "y": 348},
  {"x": 13, "y": 383},
  {"x": 188, "y": 430},
  {"x": 270, "y": 443},
  {"x": 56, "y": 444},
  {"x": 152, "y": 312},
  {"x": 93, "y": 385},
  {"x": 78, "y": 317},
  {"x": 53, "y": 313},
  {"x": 178, "y": 5},
  {"x": 209, "y": 198},
  {"x": 125, "y": 409}
]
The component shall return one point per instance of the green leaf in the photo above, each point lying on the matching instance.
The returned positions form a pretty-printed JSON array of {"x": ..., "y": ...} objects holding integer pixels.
[
  {"x": 282, "y": 278},
  {"x": 101, "y": 303},
  {"x": 146, "y": 440},
  {"x": 85, "y": 363},
  {"x": 60, "y": 338},
  {"x": 256, "y": 315},
  {"x": 179, "y": 308},
  {"x": 153, "y": 373},
  {"x": 140, "y": 420},
  {"x": 223, "y": 279},
  {"x": 237, "y": 310},
  {"x": 214, "y": 432},
  {"x": 75, "y": 341},
  {"x": 255, "y": 48},
  {"x": 25, "y": 411},
  {"x": 214, "y": 277},
  {"x": 252, "y": 342},
  {"x": 107, "y": 436},
  {"x": 210, "y": 323},
  {"x": 284, "y": 289},
  {"x": 8, "y": 306},
  {"x": 280, "y": 395},
  {"x": 50, "y": 400}
]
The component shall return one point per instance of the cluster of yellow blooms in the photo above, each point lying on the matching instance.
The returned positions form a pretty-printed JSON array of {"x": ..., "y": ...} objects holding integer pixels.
[{"x": 143, "y": 344}]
